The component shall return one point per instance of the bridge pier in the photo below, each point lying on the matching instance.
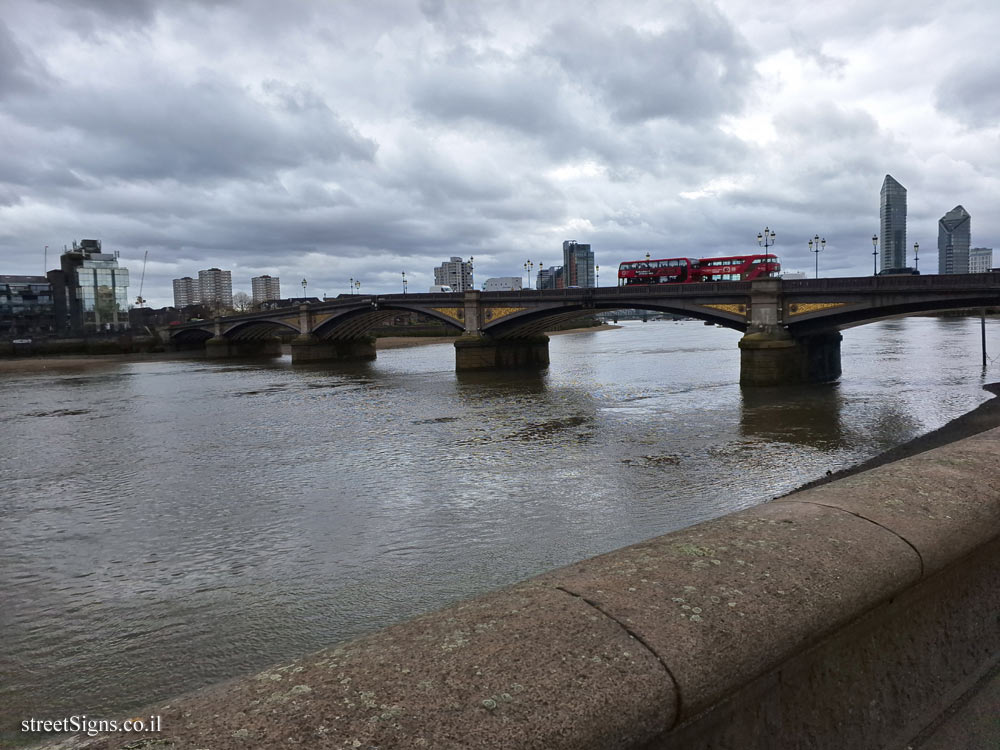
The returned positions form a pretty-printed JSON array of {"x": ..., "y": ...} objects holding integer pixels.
[
  {"x": 488, "y": 353},
  {"x": 772, "y": 356},
  {"x": 219, "y": 347},
  {"x": 309, "y": 348}
]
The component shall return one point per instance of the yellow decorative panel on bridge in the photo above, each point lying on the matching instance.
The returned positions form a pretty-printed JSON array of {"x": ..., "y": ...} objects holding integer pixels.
[
  {"x": 801, "y": 308},
  {"x": 455, "y": 313},
  {"x": 734, "y": 309},
  {"x": 495, "y": 313}
]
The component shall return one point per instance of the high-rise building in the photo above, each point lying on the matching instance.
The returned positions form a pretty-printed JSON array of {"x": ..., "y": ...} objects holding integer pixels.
[
  {"x": 215, "y": 288},
  {"x": 578, "y": 264},
  {"x": 954, "y": 238},
  {"x": 980, "y": 259},
  {"x": 185, "y": 292},
  {"x": 264, "y": 288},
  {"x": 892, "y": 212},
  {"x": 90, "y": 291},
  {"x": 549, "y": 278},
  {"x": 455, "y": 273}
]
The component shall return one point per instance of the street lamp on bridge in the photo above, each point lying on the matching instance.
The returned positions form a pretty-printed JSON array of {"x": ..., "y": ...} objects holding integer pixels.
[
  {"x": 404, "y": 282},
  {"x": 357, "y": 285},
  {"x": 875, "y": 255},
  {"x": 350, "y": 285},
  {"x": 916, "y": 256},
  {"x": 304, "y": 282},
  {"x": 597, "y": 273},
  {"x": 766, "y": 238},
  {"x": 815, "y": 245},
  {"x": 528, "y": 265}
]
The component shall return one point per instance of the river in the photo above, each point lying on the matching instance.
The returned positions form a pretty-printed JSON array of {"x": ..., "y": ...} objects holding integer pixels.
[{"x": 169, "y": 524}]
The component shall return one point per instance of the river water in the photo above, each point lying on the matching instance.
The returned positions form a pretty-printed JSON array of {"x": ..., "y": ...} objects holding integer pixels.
[{"x": 169, "y": 524}]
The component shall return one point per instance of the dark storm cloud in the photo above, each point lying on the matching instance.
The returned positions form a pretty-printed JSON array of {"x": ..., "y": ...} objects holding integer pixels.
[
  {"x": 207, "y": 130},
  {"x": 970, "y": 94},
  {"x": 698, "y": 69}
]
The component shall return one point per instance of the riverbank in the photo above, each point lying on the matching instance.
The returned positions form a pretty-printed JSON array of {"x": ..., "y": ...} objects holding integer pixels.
[{"x": 984, "y": 417}]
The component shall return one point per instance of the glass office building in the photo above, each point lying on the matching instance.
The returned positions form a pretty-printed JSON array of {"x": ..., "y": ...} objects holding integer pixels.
[
  {"x": 92, "y": 289},
  {"x": 954, "y": 239},
  {"x": 892, "y": 212}
]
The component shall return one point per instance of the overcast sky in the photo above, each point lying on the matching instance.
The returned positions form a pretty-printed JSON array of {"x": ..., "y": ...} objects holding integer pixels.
[{"x": 334, "y": 140}]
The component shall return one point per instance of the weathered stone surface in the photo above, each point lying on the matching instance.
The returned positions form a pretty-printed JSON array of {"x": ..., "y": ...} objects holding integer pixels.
[
  {"x": 725, "y": 600},
  {"x": 941, "y": 502},
  {"x": 523, "y": 668}
]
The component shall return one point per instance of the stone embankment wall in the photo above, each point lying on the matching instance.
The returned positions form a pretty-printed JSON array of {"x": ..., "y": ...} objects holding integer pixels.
[
  {"x": 125, "y": 344},
  {"x": 844, "y": 616}
]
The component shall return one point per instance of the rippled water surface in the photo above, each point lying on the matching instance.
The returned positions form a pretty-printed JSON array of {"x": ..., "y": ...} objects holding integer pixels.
[{"x": 168, "y": 524}]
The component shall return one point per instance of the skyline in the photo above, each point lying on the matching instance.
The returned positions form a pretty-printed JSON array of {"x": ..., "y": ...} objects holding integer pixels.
[{"x": 340, "y": 142}]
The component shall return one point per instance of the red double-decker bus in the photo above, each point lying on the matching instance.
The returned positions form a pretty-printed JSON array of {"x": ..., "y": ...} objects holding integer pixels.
[{"x": 693, "y": 270}]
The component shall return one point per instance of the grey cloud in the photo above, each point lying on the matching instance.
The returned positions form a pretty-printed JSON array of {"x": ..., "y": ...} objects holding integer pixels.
[
  {"x": 970, "y": 95},
  {"x": 20, "y": 70},
  {"x": 208, "y": 130},
  {"x": 697, "y": 70}
]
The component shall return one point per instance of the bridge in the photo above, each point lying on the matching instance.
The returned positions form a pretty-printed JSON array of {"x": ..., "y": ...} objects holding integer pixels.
[{"x": 791, "y": 328}]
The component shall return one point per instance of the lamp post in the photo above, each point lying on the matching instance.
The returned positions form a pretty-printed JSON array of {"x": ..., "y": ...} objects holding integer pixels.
[
  {"x": 404, "y": 282},
  {"x": 875, "y": 255},
  {"x": 304, "y": 282},
  {"x": 357, "y": 285},
  {"x": 350, "y": 284},
  {"x": 916, "y": 256},
  {"x": 766, "y": 238},
  {"x": 815, "y": 245},
  {"x": 528, "y": 265},
  {"x": 472, "y": 283},
  {"x": 597, "y": 273}
]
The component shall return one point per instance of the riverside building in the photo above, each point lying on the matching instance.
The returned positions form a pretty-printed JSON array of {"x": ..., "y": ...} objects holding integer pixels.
[
  {"x": 578, "y": 264},
  {"x": 90, "y": 290},
  {"x": 892, "y": 215},
  {"x": 954, "y": 238},
  {"x": 980, "y": 259}
]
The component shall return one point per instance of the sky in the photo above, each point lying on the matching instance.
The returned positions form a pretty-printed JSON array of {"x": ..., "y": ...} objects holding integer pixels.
[{"x": 328, "y": 141}]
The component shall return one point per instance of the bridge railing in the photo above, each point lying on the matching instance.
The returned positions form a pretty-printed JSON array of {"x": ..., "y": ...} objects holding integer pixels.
[{"x": 930, "y": 281}]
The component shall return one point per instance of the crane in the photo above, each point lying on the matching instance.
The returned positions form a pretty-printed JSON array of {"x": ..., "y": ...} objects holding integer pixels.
[{"x": 139, "y": 300}]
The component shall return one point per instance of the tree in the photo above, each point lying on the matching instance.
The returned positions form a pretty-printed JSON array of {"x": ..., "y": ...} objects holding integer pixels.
[{"x": 242, "y": 302}]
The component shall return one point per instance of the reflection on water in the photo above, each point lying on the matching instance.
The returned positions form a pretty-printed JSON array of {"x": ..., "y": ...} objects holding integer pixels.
[
  {"x": 171, "y": 524},
  {"x": 807, "y": 415}
]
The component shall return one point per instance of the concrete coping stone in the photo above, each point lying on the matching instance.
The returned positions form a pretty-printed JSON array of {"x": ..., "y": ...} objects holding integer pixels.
[
  {"x": 945, "y": 502},
  {"x": 524, "y": 667}
]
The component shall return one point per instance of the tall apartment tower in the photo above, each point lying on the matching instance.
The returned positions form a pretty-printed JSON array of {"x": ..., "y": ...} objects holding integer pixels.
[
  {"x": 264, "y": 288},
  {"x": 185, "y": 292},
  {"x": 215, "y": 288},
  {"x": 578, "y": 264},
  {"x": 892, "y": 212},
  {"x": 980, "y": 259},
  {"x": 954, "y": 238},
  {"x": 455, "y": 273}
]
